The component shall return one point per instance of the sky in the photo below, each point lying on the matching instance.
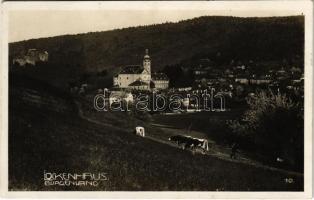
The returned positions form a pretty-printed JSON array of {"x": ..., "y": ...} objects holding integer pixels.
[{"x": 29, "y": 24}]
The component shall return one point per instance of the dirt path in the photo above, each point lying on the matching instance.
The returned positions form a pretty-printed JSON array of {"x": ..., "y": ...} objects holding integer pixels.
[{"x": 216, "y": 151}]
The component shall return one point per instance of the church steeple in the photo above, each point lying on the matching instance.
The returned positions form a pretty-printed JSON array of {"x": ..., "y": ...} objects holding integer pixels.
[{"x": 147, "y": 62}]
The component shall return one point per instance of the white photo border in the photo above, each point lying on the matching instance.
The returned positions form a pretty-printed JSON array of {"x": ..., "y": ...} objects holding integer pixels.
[{"x": 305, "y": 7}]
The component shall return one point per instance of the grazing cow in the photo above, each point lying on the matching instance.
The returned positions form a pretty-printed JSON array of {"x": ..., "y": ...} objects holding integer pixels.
[
  {"x": 193, "y": 142},
  {"x": 179, "y": 139},
  {"x": 190, "y": 142},
  {"x": 204, "y": 144},
  {"x": 200, "y": 143},
  {"x": 140, "y": 131}
]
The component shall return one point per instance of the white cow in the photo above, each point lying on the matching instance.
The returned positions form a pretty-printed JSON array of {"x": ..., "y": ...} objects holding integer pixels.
[
  {"x": 140, "y": 131},
  {"x": 203, "y": 144}
]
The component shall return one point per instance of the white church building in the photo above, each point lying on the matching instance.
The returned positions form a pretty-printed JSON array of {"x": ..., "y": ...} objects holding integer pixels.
[{"x": 140, "y": 77}]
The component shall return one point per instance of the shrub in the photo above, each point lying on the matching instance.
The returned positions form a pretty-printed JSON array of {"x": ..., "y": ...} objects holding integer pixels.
[{"x": 274, "y": 125}]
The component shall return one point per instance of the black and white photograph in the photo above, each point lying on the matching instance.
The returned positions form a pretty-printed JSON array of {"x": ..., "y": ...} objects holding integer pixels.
[{"x": 167, "y": 97}]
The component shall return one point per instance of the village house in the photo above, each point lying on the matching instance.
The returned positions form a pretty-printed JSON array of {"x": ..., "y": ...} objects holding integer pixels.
[
  {"x": 160, "y": 81},
  {"x": 262, "y": 79},
  {"x": 240, "y": 67},
  {"x": 139, "y": 85},
  {"x": 200, "y": 71},
  {"x": 203, "y": 67},
  {"x": 282, "y": 74},
  {"x": 140, "y": 77},
  {"x": 118, "y": 96},
  {"x": 228, "y": 73},
  {"x": 242, "y": 80}
]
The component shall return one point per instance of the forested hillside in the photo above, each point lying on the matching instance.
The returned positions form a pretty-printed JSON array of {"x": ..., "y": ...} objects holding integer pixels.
[{"x": 221, "y": 39}]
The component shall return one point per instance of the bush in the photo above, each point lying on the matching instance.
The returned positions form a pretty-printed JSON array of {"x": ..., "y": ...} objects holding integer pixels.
[{"x": 274, "y": 125}]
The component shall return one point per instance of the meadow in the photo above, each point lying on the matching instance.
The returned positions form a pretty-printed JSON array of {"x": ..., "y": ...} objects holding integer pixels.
[{"x": 51, "y": 139}]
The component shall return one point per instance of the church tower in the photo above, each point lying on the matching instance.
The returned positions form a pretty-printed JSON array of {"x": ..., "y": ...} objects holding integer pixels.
[{"x": 146, "y": 61}]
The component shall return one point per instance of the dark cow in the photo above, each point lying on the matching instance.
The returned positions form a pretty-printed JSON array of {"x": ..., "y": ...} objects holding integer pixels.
[
  {"x": 186, "y": 141},
  {"x": 193, "y": 142},
  {"x": 179, "y": 139}
]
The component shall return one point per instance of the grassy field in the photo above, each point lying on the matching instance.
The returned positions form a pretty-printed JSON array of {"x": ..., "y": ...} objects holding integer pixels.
[
  {"x": 52, "y": 139},
  {"x": 211, "y": 124}
]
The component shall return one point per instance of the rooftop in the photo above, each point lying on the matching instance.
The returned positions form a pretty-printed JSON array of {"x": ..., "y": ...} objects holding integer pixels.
[
  {"x": 159, "y": 76},
  {"x": 138, "y": 83}
]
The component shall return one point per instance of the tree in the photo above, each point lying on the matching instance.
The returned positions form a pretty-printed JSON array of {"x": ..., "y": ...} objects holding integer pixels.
[{"x": 274, "y": 124}]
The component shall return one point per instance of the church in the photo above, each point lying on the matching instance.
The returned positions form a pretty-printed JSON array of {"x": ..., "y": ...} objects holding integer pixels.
[{"x": 139, "y": 77}]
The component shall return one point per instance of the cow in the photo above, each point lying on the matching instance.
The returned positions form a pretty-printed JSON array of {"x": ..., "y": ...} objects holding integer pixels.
[
  {"x": 140, "y": 131},
  {"x": 193, "y": 142},
  {"x": 188, "y": 142},
  {"x": 199, "y": 144},
  {"x": 179, "y": 139}
]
